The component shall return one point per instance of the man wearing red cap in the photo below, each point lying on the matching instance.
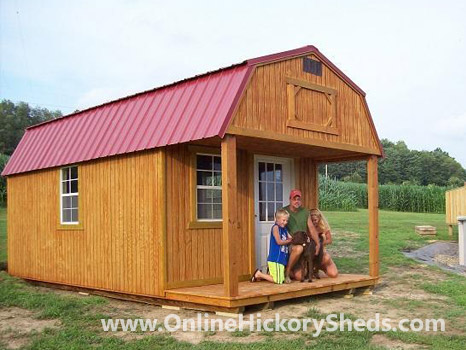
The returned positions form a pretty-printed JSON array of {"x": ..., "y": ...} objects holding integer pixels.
[{"x": 299, "y": 220}]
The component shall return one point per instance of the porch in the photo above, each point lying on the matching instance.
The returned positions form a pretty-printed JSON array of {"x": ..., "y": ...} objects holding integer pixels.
[
  {"x": 264, "y": 292},
  {"x": 233, "y": 293}
]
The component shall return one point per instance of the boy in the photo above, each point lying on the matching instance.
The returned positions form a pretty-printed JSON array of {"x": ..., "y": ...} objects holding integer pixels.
[{"x": 278, "y": 252}]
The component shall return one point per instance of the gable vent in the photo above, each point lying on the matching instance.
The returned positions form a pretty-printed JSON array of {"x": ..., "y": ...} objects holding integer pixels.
[{"x": 312, "y": 66}]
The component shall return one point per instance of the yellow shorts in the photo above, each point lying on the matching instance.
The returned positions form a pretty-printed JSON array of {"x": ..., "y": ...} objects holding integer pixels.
[{"x": 277, "y": 271}]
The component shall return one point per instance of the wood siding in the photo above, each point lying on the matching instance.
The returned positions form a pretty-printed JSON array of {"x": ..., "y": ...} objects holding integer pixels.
[
  {"x": 306, "y": 173},
  {"x": 194, "y": 256},
  {"x": 117, "y": 248},
  {"x": 264, "y": 106},
  {"x": 455, "y": 205}
]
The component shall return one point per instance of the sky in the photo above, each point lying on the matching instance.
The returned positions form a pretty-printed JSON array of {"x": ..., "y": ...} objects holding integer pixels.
[{"x": 408, "y": 56}]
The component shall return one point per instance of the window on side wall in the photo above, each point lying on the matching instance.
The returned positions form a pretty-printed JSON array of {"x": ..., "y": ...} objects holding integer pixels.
[
  {"x": 208, "y": 187},
  {"x": 69, "y": 196}
]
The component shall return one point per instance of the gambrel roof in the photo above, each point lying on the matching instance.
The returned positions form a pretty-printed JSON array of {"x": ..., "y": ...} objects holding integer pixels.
[{"x": 192, "y": 109}]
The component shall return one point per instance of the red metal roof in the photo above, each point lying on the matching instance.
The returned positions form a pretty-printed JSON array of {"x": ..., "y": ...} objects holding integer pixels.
[{"x": 191, "y": 109}]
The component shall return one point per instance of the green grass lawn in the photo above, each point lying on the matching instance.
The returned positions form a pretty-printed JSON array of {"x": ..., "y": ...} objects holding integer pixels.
[
  {"x": 80, "y": 317},
  {"x": 396, "y": 233}
]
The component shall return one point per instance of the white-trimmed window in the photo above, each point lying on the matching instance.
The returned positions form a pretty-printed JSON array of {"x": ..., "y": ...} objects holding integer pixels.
[
  {"x": 69, "y": 214},
  {"x": 208, "y": 187}
]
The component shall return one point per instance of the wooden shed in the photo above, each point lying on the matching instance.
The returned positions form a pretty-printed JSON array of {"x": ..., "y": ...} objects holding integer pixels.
[
  {"x": 168, "y": 195},
  {"x": 455, "y": 206}
]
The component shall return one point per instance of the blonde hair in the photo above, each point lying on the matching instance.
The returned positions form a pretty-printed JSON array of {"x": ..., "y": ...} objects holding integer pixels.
[
  {"x": 280, "y": 213},
  {"x": 323, "y": 225}
]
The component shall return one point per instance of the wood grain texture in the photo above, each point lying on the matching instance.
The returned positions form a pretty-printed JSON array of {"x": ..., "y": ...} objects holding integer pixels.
[
  {"x": 373, "y": 208},
  {"x": 194, "y": 255},
  {"x": 266, "y": 103},
  {"x": 230, "y": 216},
  {"x": 455, "y": 205},
  {"x": 117, "y": 248},
  {"x": 307, "y": 181},
  {"x": 261, "y": 292}
]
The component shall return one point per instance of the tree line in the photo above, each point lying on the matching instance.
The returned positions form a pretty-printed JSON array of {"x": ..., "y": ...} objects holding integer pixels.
[
  {"x": 14, "y": 119},
  {"x": 402, "y": 166}
]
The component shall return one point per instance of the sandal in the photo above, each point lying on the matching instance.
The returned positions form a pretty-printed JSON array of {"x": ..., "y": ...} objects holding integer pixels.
[{"x": 254, "y": 278}]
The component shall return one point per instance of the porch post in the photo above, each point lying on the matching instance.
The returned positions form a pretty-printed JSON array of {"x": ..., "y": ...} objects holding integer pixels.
[
  {"x": 373, "y": 206},
  {"x": 230, "y": 216}
]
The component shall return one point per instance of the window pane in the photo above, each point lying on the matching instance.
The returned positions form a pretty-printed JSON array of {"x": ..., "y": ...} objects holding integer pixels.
[
  {"x": 261, "y": 171},
  {"x": 278, "y": 172},
  {"x": 262, "y": 191},
  {"x": 279, "y": 206},
  {"x": 74, "y": 201},
  {"x": 204, "y": 196},
  {"x": 270, "y": 211},
  {"x": 74, "y": 172},
  {"x": 217, "y": 211},
  {"x": 269, "y": 171},
  {"x": 65, "y": 187},
  {"x": 204, "y": 178},
  {"x": 217, "y": 178},
  {"x": 217, "y": 196},
  {"x": 66, "y": 202},
  {"x": 65, "y": 173},
  {"x": 74, "y": 186},
  {"x": 262, "y": 214},
  {"x": 204, "y": 211},
  {"x": 270, "y": 191},
  {"x": 204, "y": 162},
  {"x": 74, "y": 215},
  {"x": 279, "y": 192},
  {"x": 217, "y": 163},
  {"x": 66, "y": 215}
]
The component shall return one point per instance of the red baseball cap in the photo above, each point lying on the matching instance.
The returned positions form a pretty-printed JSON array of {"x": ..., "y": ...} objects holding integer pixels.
[{"x": 295, "y": 193}]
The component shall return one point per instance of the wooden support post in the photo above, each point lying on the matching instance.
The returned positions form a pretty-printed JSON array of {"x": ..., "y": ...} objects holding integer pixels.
[
  {"x": 252, "y": 221},
  {"x": 349, "y": 294},
  {"x": 233, "y": 313},
  {"x": 373, "y": 206},
  {"x": 230, "y": 216},
  {"x": 450, "y": 231},
  {"x": 162, "y": 220},
  {"x": 368, "y": 290}
]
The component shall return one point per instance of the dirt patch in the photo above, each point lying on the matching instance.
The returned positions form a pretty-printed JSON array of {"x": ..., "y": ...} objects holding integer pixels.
[
  {"x": 398, "y": 296},
  {"x": 381, "y": 340},
  {"x": 17, "y": 325}
]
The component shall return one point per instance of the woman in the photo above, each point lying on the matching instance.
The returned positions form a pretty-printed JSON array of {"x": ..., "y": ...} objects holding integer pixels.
[{"x": 325, "y": 236}]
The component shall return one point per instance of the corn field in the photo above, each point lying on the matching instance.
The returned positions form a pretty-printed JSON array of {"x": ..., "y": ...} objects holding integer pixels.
[{"x": 347, "y": 196}]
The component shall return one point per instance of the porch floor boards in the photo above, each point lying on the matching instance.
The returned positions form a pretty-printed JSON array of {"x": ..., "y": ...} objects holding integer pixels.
[{"x": 264, "y": 292}]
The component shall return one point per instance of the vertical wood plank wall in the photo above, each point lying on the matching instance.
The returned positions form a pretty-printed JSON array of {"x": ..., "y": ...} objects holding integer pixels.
[
  {"x": 264, "y": 105},
  {"x": 307, "y": 181},
  {"x": 194, "y": 256},
  {"x": 117, "y": 248},
  {"x": 455, "y": 205}
]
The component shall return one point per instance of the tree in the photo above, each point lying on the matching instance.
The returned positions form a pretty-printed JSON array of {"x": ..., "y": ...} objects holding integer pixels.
[
  {"x": 3, "y": 160},
  {"x": 402, "y": 165},
  {"x": 15, "y": 118}
]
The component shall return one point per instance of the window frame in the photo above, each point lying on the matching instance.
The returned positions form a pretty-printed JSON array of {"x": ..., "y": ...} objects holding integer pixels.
[
  {"x": 68, "y": 224},
  {"x": 207, "y": 187},
  {"x": 194, "y": 222}
]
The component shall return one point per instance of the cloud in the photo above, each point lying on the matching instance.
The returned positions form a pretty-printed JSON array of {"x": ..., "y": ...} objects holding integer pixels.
[{"x": 452, "y": 127}]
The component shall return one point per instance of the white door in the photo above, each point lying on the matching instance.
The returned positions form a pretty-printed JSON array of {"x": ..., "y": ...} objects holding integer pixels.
[{"x": 273, "y": 182}]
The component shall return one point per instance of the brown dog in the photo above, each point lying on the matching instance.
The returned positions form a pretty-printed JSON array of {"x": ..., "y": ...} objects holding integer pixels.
[{"x": 307, "y": 258}]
